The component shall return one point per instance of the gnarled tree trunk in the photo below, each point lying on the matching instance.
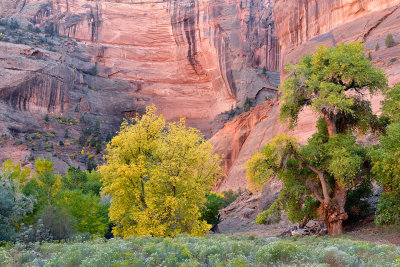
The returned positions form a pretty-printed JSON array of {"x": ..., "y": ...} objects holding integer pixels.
[{"x": 334, "y": 212}]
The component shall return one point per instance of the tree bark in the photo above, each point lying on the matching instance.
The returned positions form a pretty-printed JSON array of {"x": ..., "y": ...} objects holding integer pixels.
[
  {"x": 330, "y": 124},
  {"x": 334, "y": 212}
]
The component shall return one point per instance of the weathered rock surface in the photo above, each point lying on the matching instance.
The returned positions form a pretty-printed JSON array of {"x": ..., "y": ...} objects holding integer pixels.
[
  {"x": 239, "y": 216},
  {"x": 191, "y": 58}
]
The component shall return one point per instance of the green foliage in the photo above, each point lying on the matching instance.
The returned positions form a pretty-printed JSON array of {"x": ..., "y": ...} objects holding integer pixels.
[
  {"x": 385, "y": 158},
  {"x": 391, "y": 104},
  {"x": 264, "y": 71},
  {"x": 46, "y": 118},
  {"x": 157, "y": 174},
  {"x": 211, "y": 208},
  {"x": 13, "y": 206},
  {"x": 88, "y": 182},
  {"x": 389, "y": 41},
  {"x": 229, "y": 196},
  {"x": 33, "y": 234},
  {"x": 247, "y": 105},
  {"x": 58, "y": 221},
  {"x": 210, "y": 251},
  {"x": 13, "y": 24},
  {"x": 357, "y": 205},
  {"x": 386, "y": 168},
  {"x": 388, "y": 209},
  {"x": 87, "y": 210},
  {"x": 377, "y": 47},
  {"x": 91, "y": 164},
  {"x": 321, "y": 80}
]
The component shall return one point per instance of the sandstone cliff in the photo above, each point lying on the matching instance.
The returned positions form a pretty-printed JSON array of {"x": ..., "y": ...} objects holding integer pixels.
[
  {"x": 191, "y": 58},
  {"x": 108, "y": 59},
  {"x": 105, "y": 60}
]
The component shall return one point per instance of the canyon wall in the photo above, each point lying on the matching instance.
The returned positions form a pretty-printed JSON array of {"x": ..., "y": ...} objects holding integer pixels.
[
  {"x": 107, "y": 59},
  {"x": 192, "y": 58},
  {"x": 302, "y": 26}
]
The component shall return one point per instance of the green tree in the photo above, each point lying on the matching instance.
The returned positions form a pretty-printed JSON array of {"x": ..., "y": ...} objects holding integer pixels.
[
  {"x": 333, "y": 83},
  {"x": 211, "y": 208},
  {"x": 389, "y": 41},
  {"x": 157, "y": 174},
  {"x": 89, "y": 213}
]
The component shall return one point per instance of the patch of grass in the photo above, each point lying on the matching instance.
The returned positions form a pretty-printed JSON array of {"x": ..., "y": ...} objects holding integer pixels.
[{"x": 215, "y": 250}]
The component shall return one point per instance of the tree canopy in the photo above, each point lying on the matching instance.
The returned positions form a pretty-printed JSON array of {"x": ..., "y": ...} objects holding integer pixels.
[{"x": 157, "y": 174}]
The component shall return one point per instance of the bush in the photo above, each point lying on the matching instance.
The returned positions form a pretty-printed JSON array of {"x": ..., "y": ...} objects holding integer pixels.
[
  {"x": 377, "y": 47},
  {"x": 389, "y": 41},
  {"x": 13, "y": 25},
  {"x": 388, "y": 211},
  {"x": 247, "y": 105},
  {"x": 58, "y": 222},
  {"x": 33, "y": 234},
  {"x": 211, "y": 208},
  {"x": 229, "y": 196},
  {"x": 13, "y": 206}
]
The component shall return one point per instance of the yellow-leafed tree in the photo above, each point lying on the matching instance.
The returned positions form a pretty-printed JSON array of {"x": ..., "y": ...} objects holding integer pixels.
[{"x": 157, "y": 174}]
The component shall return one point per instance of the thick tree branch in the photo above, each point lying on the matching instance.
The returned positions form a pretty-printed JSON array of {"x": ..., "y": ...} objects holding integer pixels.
[
  {"x": 320, "y": 174},
  {"x": 314, "y": 188}
]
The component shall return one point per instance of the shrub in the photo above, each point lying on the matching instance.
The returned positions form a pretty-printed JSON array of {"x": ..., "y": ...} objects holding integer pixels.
[
  {"x": 389, "y": 41},
  {"x": 211, "y": 208},
  {"x": 13, "y": 25},
  {"x": 4, "y": 23},
  {"x": 377, "y": 47},
  {"x": 91, "y": 164},
  {"x": 33, "y": 234},
  {"x": 229, "y": 196},
  {"x": 14, "y": 204},
  {"x": 58, "y": 221},
  {"x": 388, "y": 211},
  {"x": 247, "y": 105}
]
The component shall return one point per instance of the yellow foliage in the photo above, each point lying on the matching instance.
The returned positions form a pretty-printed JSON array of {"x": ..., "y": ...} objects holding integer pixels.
[
  {"x": 157, "y": 174},
  {"x": 16, "y": 171}
]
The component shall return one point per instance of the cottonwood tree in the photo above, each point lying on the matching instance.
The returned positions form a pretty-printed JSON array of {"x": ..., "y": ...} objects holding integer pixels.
[
  {"x": 157, "y": 175},
  {"x": 335, "y": 83}
]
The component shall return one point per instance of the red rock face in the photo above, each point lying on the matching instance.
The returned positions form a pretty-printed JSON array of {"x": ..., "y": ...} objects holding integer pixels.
[{"x": 191, "y": 58}]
